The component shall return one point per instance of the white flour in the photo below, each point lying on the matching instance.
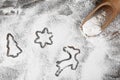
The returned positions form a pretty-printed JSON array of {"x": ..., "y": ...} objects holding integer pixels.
[
  {"x": 93, "y": 26},
  {"x": 52, "y": 18},
  {"x": 94, "y": 68}
]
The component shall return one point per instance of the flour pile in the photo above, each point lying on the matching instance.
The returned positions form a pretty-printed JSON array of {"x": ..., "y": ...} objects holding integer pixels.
[{"x": 93, "y": 26}]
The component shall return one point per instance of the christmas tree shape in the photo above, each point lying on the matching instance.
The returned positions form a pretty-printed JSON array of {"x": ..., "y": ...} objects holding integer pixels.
[
  {"x": 13, "y": 50},
  {"x": 69, "y": 62}
]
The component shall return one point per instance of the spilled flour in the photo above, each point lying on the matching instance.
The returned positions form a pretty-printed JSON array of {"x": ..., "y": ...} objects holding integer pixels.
[
  {"x": 102, "y": 63},
  {"x": 93, "y": 26},
  {"x": 44, "y": 42},
  {"x": 94, "y": 68}
]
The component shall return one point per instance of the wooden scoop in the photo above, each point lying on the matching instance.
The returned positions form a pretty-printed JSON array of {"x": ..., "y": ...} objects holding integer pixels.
[{"x": 112, "y": 9}]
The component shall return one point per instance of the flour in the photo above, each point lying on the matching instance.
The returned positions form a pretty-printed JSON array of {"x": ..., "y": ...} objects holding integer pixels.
[
  {"x": 93, "y": 26},
  {"x": 37, "y": 63},
  {"x": 94, "y": 68}
]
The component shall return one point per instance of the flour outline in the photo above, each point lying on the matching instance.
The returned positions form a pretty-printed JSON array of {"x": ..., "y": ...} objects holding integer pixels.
[
  {"x": 70, "y": 57},
  {"x": 16, "y": 44},
  {"x": 38, "y": 37}
]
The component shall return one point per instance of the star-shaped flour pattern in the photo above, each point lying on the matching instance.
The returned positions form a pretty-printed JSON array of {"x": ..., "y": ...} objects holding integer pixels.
[{"x": 44, "y": 38}]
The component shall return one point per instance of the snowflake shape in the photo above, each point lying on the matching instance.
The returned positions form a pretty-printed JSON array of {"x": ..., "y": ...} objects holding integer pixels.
[{"x": 44, "y": 37}]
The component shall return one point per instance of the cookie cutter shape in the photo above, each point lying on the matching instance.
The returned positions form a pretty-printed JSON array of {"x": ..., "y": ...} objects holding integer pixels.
[
  {"x": 44, "y": 38},
  {"x": 13, "y": 50},
  {"x": 69, "y": 62}
]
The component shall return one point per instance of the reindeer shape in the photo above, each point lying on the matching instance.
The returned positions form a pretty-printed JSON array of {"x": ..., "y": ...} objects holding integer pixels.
[{"x": 69, "y": 62}]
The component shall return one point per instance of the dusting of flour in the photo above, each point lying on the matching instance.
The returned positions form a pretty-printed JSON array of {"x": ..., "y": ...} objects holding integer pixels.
[
  {"x": 94, "y": 68},
  {"x": 93, "y": 26}
]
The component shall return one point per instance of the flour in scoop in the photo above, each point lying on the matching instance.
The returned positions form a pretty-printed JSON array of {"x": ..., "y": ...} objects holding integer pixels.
[{"x": 93, "y": 26}]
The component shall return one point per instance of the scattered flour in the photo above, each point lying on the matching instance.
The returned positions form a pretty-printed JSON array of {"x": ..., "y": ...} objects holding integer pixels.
[
  {"x": 94, "y": 67},
  {"x": 10, "y": 11},
  {"x": 93, "y": 26},
  {"x": 41, "y": 62}
]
